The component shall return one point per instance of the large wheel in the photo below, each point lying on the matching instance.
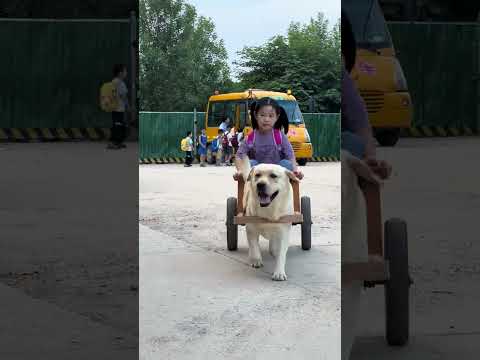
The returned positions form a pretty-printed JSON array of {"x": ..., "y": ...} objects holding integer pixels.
[
  {"x": 307, "y": 223},
  {"x": 387, "y": 137},
  {"x": 232, "y": 229},
  {"x": 398, "y": 284},
  {"x": 210, "y": 157},
  {"x": 302, "y": 162}
]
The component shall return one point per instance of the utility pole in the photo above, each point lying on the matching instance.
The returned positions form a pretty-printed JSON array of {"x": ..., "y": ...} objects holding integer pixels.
[
  {"x": 195, "y": 132},
  {"x": 133, "y": 70},
  {"x": 477, "y": 75}
]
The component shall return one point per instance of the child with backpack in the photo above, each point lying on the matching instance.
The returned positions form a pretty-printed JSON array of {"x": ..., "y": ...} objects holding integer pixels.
[
  {"x": 114, "y": 99},
  {"x": 216, "y": 148},
  {"x": 227, "y": 148},
  {"x": 267, "y": 143},
  {"x": 233, "y": 138},
  {"x": 186, "y": 146},
  {"x": 202, "y": 148}
]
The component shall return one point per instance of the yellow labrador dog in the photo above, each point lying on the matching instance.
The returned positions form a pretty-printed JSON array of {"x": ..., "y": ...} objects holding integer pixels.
[
  {"x": 268, "y": 194},
  {"x": 354, "y": 242}
]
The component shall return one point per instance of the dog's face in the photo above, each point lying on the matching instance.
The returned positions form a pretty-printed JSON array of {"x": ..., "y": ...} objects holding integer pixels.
[{"x": 269, "y": 181}]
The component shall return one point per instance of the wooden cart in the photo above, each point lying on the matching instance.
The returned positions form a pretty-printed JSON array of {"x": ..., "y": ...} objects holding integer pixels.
[
  {"x": 302, "y": 215},
  {"x": 387, "y": 265}
]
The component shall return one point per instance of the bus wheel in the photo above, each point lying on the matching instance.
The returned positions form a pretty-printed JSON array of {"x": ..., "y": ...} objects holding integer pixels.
[
  {"x": 387, "y": 137},
  {"x": 210, "y": 157},
  {"x": 302, "y": 162}
]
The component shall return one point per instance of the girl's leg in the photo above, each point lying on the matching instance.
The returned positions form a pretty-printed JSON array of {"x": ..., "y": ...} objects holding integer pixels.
[
  {"x": 114, "y": 131},
  {"x": 353, "y": 144},
  {"x": 219, "y": 157},
  {"x": 253, "y": 162},
  {"x": 287, "y": 164}
]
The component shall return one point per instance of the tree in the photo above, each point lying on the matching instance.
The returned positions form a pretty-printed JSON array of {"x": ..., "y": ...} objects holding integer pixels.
[
  {"x": 181, "y": 58},
  {"x": 307, "y": 61}
]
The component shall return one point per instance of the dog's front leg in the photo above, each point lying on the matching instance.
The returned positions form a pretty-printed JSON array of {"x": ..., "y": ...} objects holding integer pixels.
[
  {"x": 254, "y": 254},
  {"x": 273, "y": 247},
  {"x": 280, "y": 259}
]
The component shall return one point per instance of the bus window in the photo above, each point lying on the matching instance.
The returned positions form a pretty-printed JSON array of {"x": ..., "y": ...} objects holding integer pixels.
[
  {"x": 218, "y": 111},
  {"x": 368, "y": 24},
  {"x": 242, "y": 121}
]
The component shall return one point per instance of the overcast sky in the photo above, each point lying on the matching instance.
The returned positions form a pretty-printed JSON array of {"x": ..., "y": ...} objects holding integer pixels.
[{"x": 253, "y": 22}]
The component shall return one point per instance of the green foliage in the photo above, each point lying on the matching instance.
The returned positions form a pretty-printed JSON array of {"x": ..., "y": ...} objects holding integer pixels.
[
  {"x": 307, "y": 60},
  {"x": 181, "y": 58}
]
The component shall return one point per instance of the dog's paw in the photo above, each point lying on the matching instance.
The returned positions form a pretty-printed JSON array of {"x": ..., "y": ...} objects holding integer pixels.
[
  {"x": 256, "y": 263},
  {"x": 279, "y": 276}
]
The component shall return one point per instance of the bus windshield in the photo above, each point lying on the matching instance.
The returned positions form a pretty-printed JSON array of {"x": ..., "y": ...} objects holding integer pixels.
[
  {"x": 369, "y": 26},
  {"x": 218, "y": 111},
  {"x": 293, "y": 111}
]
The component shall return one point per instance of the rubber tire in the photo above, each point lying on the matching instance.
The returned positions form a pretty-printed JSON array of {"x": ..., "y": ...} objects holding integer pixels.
[
  {"x": 210, "y": 159},
  {"x": 388, "y": 137},
  {"x": 397, "y": 287},
  {"x": 232, "y": 229},
  {"x": 307, "y": 223},
  {"x": 302, "y": 162}
]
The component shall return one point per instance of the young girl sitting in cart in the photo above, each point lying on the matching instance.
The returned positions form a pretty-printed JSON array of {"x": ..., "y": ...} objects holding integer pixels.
[{"x": 267, "y": 143}]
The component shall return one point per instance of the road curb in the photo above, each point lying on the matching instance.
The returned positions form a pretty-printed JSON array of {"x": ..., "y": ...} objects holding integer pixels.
[
  {"x": 437, "y": 131},
  {"x": 53, "y": 134},
  {"x": 178, "y": 160}
]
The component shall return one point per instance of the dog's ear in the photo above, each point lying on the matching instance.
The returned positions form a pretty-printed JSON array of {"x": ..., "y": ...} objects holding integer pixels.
[
  {"x": 291, "y": 175},
  {"x": 249, "y": 177}
]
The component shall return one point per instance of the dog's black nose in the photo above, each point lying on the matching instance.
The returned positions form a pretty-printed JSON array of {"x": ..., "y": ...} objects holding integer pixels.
[{"x": 261, "y": 186}]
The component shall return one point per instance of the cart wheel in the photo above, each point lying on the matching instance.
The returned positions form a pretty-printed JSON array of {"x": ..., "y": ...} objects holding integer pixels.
[
  {"x": 210, "y": 158},
  {"x": 397, "y": 287},
  {"x": 307, "y": 223},
  {"x": 232, "y": 229}
]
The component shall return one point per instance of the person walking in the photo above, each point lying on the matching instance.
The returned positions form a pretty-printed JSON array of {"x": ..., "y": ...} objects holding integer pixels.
[
  {"x": 119, "y": 127},
  {"x": 202, "y": 148},
  {"x": 187, "y": 147}
]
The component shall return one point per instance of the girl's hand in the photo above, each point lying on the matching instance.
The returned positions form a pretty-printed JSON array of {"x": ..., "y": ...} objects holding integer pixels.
[
  {"x": 298, "y": 173},
  {"x": 380, "y": 167}
]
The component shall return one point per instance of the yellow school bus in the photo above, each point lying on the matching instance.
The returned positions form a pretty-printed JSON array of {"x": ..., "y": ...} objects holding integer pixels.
[
  {"x": 236, "y": 107},
  {"x": 378, "y": 73}
]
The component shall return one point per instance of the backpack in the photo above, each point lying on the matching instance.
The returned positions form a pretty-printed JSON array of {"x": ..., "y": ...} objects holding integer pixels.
[
  {"x": 234, "y": 141},
  {"x": 214, "y": 145},
  {"x": 225, "y": 140},
  {"x": 108, "y": 97},
  {"x": 277, "y": 136},
  {"x": 184, "y": 144}
]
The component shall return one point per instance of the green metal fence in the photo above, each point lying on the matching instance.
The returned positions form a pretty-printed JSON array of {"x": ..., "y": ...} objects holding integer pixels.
[
  {"x": 51, "y": 71},
  {"x": 161, "y": 133},
  {"x": 324, "y": 130},
  {"x": 440, "y": 62}
]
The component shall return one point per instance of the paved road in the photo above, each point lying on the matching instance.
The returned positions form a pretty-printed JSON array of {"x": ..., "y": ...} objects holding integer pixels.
[
  {"x": 436, "y": 189},
  {"x": 198, "y": 300},
  {"x": 68, "y": 251}
]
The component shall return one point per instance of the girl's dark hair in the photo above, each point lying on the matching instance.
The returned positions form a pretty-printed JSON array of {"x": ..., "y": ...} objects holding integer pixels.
[
  {"x": 118, "y": 68},
  {"x": 189, "y": 133},
  {"x": 349, "y": 45},
  {"x": 282, "y": 121}
]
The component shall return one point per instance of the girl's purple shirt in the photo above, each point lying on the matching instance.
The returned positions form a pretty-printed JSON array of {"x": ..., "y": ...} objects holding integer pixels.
[
  {"x": 265, "y": 150},
  {"x": 354, "y": 111}
]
